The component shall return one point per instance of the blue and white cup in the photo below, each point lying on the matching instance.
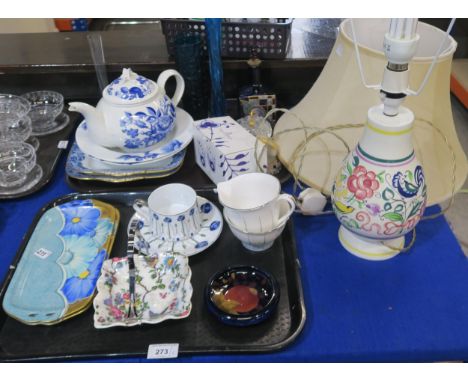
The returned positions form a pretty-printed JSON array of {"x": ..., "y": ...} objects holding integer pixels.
[{"x": 172, "y": 212}]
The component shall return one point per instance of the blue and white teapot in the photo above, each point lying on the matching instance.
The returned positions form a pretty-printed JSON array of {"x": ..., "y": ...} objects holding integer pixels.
[{"x": 134, "y": 113}]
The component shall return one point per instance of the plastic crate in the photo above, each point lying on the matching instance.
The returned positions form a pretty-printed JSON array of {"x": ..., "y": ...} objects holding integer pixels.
[{"x": 270, "y": 40}]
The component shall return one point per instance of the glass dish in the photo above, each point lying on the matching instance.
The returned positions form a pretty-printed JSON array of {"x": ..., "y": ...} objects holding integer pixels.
[
  {"x": 57, "y": 124},
  {"x": 46, "y": 105},
  {"x": 18, "y": 132},
  {"x": 17, "y": 159},
  {"x": 12, "y": 109},
  {"x": 26, "y": 187}
]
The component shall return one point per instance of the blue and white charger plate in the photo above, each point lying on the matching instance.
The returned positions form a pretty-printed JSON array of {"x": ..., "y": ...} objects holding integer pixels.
[
  {"x": 177, "y": 140},
  {"x": 83, "y": 167},
  {"x": 212, "y": 226}
]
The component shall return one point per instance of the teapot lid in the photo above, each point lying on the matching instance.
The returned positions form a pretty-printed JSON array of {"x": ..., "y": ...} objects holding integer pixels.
[{"x": 129, "y": 88}]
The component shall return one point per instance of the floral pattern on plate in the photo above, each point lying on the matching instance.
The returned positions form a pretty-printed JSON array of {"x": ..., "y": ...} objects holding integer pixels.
[
  {"x": 162, "y": 291},
  {"x": 85, "y": 233},
  {"x": 212, "y": 226},
  {"x": 57, "y": 274},
  {"x": 81, "y": 166}
]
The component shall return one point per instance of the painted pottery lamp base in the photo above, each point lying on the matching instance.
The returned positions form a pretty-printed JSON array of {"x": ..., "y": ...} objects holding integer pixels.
[{"x": 369, "y": 249}]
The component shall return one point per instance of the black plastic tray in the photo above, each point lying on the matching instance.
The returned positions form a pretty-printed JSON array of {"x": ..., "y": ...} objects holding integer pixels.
[
  {"x": 48, "y": 155},
  {"x": 199, "y": 333}
]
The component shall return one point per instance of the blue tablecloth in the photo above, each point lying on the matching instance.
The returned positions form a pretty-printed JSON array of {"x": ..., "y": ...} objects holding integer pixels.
[{"x": 413, "y": 307}]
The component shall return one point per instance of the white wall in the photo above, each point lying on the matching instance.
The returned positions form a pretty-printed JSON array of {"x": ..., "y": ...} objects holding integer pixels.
[{"x": 27, "y": 25}]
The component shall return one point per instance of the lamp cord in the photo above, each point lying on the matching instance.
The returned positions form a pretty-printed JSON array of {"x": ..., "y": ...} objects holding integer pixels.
[{"x": 272, "y": 144}]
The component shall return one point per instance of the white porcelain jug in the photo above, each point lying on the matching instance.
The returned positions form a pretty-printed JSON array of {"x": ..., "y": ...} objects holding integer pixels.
[
  {"x": 134, "y": 113},
  {"x": 253, "y": 202}
]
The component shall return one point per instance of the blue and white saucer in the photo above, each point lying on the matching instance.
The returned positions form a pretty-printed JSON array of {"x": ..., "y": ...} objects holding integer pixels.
[
  {"x": 212, "y": 226},
  {"x": 177, "y": 140}
]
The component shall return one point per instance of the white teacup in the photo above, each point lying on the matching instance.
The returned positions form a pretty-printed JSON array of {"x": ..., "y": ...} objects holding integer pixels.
[
  {"x": 253, "y": 202},
  {"x": 172, "y": 212},
  {"x": 256, "y": 242}
]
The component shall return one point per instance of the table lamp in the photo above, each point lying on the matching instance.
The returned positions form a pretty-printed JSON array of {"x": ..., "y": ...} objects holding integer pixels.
[
  {"x": 380, "y": 190},
  {"x": 338, "y": 97}
]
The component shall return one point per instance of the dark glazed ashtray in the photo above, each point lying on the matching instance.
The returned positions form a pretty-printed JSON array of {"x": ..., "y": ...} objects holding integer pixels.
[{"x": 242, "y": 295}]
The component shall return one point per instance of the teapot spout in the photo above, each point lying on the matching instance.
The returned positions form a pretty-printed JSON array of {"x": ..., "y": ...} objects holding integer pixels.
[
  {"x": 92, "y": 116},
  {"x": 94, "y": 120}
]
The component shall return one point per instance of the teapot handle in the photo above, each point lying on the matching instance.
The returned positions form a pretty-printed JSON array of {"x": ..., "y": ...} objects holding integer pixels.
[{"x": 180, "y": 87}]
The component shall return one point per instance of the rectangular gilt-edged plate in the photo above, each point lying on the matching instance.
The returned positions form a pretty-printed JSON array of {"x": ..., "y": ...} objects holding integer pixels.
[{"x": 59, "y": 267}]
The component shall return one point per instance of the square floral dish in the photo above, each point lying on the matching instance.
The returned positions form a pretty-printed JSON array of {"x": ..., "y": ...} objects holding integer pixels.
[{"x": 162, "y": 291}]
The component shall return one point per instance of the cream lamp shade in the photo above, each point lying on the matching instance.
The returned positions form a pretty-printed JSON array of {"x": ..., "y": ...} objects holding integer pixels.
[{"x": 339, "y": 97}]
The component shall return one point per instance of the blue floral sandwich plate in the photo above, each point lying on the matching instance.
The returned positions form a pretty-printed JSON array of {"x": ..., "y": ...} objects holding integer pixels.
[
  {"x": 176, "y": 141},
  {"x": 83, "y": 167},
  {"x": 59, "y": 268},
  {"x": 212, "y": 226}
]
